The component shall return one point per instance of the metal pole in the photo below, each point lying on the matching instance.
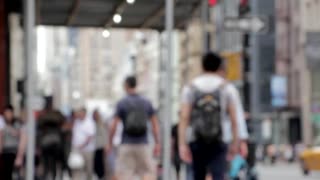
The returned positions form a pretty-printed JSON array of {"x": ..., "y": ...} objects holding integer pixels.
[
  {"x": 205, "y": 23},
  {"x": 169, "y": 22},
  {"x": 254, "y": 66},
  {"x": 29, "y": 23}
]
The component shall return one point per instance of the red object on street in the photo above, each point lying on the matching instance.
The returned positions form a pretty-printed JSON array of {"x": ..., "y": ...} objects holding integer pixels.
[
  {"x": 244, "y": 2},
  {"x": 213, "y": 2}
]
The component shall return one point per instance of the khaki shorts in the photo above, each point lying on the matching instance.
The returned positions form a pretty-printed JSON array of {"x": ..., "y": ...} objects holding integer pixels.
[{"x": 135, "y": 160}]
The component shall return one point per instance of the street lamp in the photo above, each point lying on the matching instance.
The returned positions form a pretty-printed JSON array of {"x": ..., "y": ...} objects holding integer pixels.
[
  {"x": 131, "y": 1},
  {"x": 106, "y": 33},
  {"x": 117, "y": 18}
]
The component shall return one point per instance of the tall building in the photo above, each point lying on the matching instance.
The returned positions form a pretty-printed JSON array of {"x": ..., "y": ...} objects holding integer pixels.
[{"x": 298, "y": 59}]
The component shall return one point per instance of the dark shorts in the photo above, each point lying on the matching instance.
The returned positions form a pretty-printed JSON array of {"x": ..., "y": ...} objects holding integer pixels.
[{"x": 209, "y": 158}]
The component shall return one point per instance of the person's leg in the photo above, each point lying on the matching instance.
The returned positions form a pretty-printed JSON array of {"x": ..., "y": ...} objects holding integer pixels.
[
  {"x": 99, "y": 165},
  {"x": 8, "y": 165},
  {"x": 88, "y": 157},
  {"x": 145, "y": 165},
  {"x": 46, "y": 163},
  {"x": 125, "y": 163},
  {"x": 218, "y": 163},
  {"x": 177, "y": 165},
  {"x": 189, "y": 172},
  {"x": 78, "y": 174},
  {"x": 199, "y": 161}
]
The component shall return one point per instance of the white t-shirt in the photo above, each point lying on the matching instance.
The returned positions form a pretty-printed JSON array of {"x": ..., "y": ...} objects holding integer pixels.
[
  {"x": 82, "y": 130},
  {"x": 209, "y": 83},
  {"x": 2, "y": 123}
]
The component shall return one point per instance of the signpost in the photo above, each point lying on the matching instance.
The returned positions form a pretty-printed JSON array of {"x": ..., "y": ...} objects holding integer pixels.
[
  {"x": 169, "y": 22},
  {"x": 29, "y": 24},
  {"x": 252, "y": 24}
]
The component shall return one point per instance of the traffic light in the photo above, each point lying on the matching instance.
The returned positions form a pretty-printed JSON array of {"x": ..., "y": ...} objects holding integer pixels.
[
  {"x": 212, "y": 2},
  {"x": 244, "y": 7}
]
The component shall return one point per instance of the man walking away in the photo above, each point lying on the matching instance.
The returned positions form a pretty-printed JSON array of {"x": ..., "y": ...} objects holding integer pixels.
[
  {"x": 83, "y": 142},
  {"x": 206, "y": 104},
  {"x": 49, "y": 128},
  {"x": 135, "y": 156}
]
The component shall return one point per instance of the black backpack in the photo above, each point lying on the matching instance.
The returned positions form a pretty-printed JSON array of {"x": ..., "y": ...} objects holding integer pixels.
[
  {"x": 49, "y": 129},
  {"x": 135, "y": 124},
  {"x": 206, "y": 115}
]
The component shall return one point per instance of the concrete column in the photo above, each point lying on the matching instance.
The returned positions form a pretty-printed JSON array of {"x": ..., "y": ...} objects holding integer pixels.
[{"x": 4, "y": 61}]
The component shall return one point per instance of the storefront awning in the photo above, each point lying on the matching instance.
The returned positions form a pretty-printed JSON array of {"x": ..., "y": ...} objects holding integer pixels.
[{"x": 148, "y": 14}]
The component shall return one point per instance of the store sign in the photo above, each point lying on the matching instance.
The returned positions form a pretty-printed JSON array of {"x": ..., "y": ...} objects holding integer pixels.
[
  {"x": 279, "y": 91},
  {"x": 312, "y": 50},
  {"x": 233, "y": 66}
]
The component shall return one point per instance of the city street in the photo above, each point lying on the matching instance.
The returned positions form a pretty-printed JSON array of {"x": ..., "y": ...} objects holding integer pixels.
[{"x": 284, "y": 172}]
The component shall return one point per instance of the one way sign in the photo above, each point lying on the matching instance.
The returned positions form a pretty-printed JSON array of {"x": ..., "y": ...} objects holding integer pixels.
[{"x": 247, "y": 24}]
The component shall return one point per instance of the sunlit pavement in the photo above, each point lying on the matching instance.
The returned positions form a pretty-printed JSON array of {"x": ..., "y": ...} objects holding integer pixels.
[{"x": 282, "y": 171}]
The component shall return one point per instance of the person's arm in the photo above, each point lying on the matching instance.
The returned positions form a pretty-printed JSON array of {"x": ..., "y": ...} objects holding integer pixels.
[
  {"x": 156, "y": 135},
  {"x": 241, "y": 120},
  {"x": 1, "y": 141},
  {"x": 185, "y": 113},
  {"x": 155, "y": 129},
  {"x": 183, "y": 125},
  {"x": 22, "y": 148},
  {"x": 234, "y": 125},
  {"x": 113, "y": 129}
]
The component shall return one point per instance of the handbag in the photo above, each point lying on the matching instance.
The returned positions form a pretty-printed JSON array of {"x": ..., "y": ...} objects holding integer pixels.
[{"x": 76, "y": 160}]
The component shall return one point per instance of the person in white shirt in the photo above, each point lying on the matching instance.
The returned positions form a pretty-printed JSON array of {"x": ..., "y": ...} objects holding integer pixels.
[
  {"x": 83, "y": 141},
  {"x": 2, "y": 123},
  {"x": 240, "y": 116},
  {"x": 208, "y": 148}
]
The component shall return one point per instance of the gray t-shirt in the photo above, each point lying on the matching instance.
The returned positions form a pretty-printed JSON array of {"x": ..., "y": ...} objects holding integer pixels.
[
  {"x": 123, "y": 110},
  {"x": 11, "y": 139}
]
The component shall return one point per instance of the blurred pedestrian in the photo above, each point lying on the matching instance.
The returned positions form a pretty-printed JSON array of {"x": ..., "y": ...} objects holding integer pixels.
[
  {"x": 49, "y": 140},
  {"x": 83, "y": 143},
  {"x": 12, "y": 144},
  {"x": 135, "y": 157},
  {"x": 67, "y": 136},
  {"x": 207, "y": 104},
  {"x": 101, "y": 145},
  {"x": 176, "y": 161}
]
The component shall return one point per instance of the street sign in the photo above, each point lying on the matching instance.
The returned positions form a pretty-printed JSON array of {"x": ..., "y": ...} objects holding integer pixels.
[{"x": 246, "y": 24}]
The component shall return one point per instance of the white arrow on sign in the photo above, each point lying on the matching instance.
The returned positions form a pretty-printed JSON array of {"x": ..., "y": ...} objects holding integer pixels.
[{"x": 248, "y": 24}]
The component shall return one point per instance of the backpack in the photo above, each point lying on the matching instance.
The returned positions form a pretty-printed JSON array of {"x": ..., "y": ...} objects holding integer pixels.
[
  {"x": 135, "y": 124},
  {"x": 206, "y": 115},
  {"x": 49, "y": 127},
  {"x": 50, "y": 137}
]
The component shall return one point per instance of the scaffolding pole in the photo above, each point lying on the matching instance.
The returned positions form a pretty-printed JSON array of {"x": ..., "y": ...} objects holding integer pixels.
[
  {"x": 29, "y": 24},
  {"x": 169, "y": 22}
]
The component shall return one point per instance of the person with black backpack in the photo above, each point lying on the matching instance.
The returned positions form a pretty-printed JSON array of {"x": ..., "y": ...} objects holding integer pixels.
[
  {"x": 135, "y": 156},
  {"x": 207, "y": 105},
  {"x": 50, "y": 140}
]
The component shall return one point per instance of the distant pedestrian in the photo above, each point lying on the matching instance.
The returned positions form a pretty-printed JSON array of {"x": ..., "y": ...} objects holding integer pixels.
[
  {"x": 101, "y": 145},
  {"x": 176, "y": 161},
  {"x": 83, "y": 143},
  {"x": 135, "y": 156},
  {"x": 50, "y": 140},
  {"x": 207, "y": 104},
  {"x": 12, "y": 144}
]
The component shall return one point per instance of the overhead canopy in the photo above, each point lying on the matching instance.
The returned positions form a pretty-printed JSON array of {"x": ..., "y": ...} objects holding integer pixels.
[{"x": 99, "y": 13}]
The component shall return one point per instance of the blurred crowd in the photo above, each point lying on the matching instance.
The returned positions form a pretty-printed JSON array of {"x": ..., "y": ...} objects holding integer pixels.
[{"x": 57, "y": 136}]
